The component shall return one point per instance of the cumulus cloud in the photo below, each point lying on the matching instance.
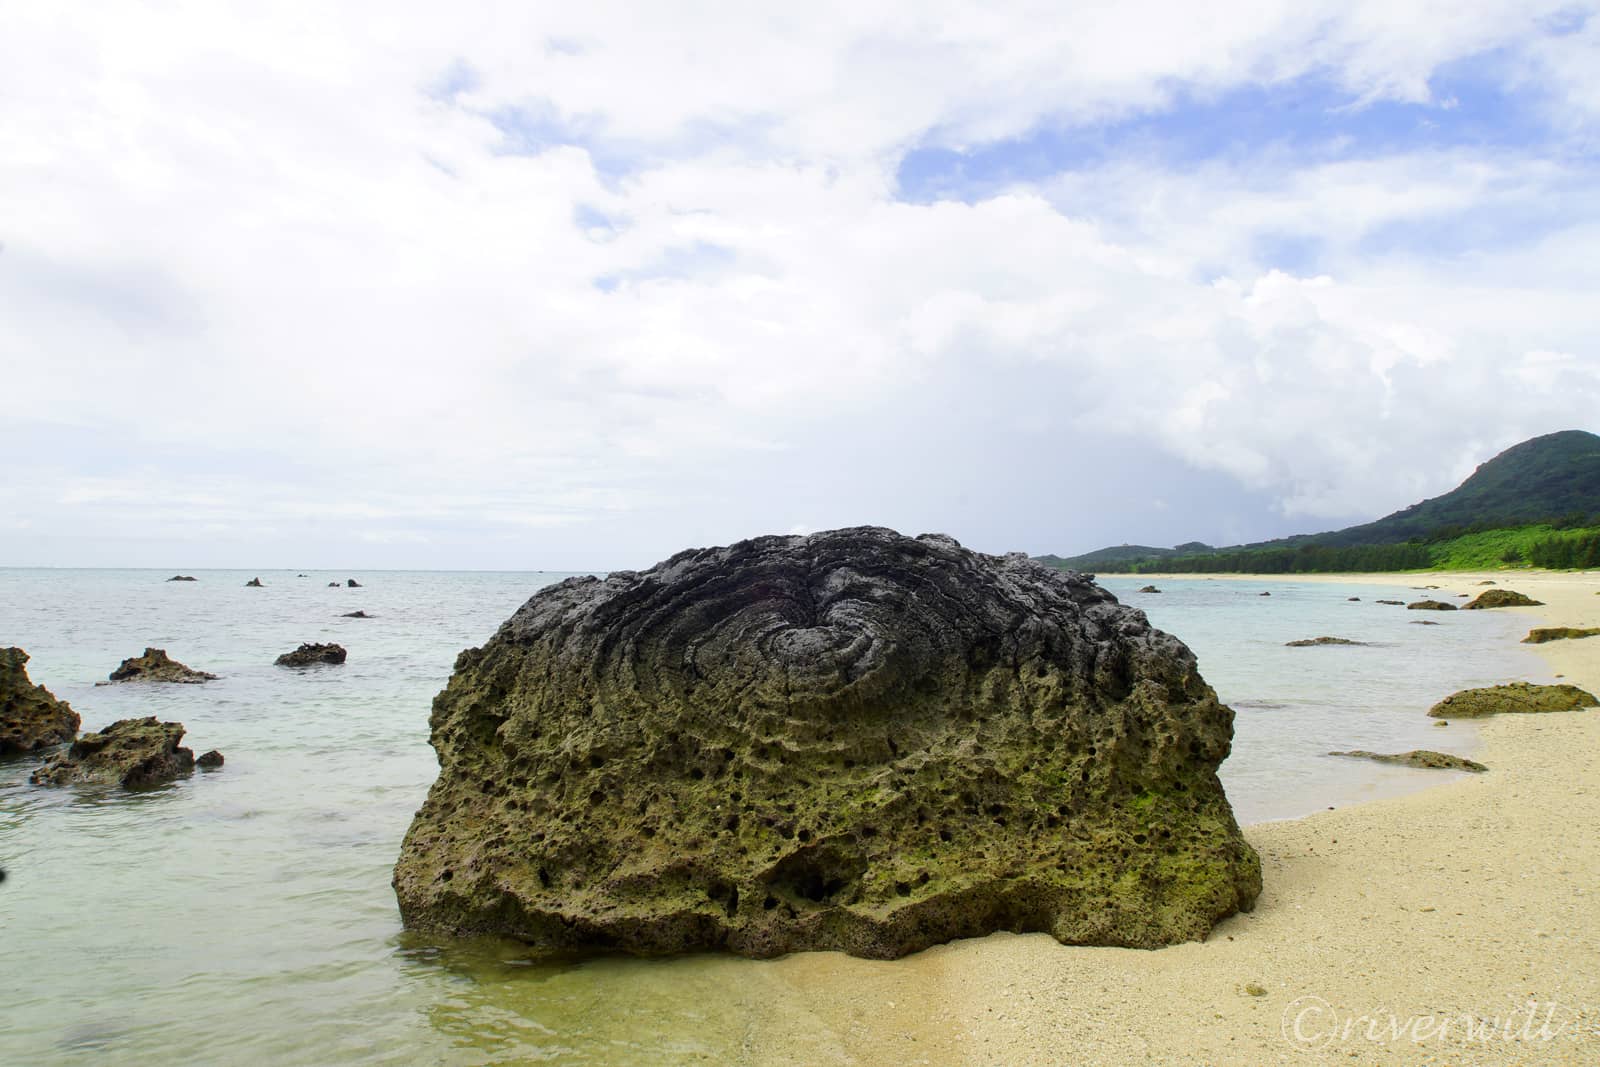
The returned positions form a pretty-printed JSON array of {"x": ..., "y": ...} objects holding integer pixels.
[{"x": 584, "y": 283}]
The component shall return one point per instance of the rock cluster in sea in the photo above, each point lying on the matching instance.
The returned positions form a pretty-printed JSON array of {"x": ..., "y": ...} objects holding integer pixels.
[
  {"x": 156, "y": 666},
  {"x": 1516, "y": 697},
  {"x": 855, "y": 741},
  {"x": 31, "y": 718},
  {"x": 132, "y": 753},
  {"x": 308, "y": 655}
]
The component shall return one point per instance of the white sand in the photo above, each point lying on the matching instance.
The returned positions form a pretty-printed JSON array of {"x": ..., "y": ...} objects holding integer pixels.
[{"x": 1476, "y": 899}]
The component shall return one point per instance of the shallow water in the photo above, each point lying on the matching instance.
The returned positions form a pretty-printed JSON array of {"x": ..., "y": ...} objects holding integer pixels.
[{"x": 245, "y": 916}]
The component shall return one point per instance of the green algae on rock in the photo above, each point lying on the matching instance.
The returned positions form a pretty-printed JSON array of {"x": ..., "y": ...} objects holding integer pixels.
[
  {"x": 132, "y": 753},
  {"x": 851, "y": 741},
  {"x": 1540, "y": 634},
  {"x": 1501, "y": 598},
  {"x": 1424, "y": 758},
  {"x": 31, "y": 718},
  {"x": 1431, "y": 605},
  {"x": 156, "y": 666},
  {"x": 1517, "y": 697}
]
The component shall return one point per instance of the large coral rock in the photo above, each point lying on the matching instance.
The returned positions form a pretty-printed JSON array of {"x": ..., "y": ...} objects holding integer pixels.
[
  {"x": 31, "y": 718},
  {"x": 156, "y": 666},
  {"x": 854, "y": 741},
  {"x": 1523, "y": 697},
  {"x": 132, "y": 753},
  {"x": 1422, "y": 758},
  {"x": 1431, "y": 605},
  {"x": 310, "y": 655}
]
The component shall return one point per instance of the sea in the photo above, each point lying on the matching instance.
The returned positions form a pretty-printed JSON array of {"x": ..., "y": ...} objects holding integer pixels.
[{"x": 245, "y": 916}]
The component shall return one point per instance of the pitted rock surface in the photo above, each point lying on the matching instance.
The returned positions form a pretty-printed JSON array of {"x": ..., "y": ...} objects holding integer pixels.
[{"x": 853, "y": 740}]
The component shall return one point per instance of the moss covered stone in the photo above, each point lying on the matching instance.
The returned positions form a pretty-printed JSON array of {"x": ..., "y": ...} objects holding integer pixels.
[
  {"x": 855, "y": 741},
  {"x": 1424, "y": 758},
  {"x": 1431, "y": 605},
  {"x": 1518, "y": 697},
  {"x": 31, "y": 718},
  {"x": 1501, "y": 598},
  {"x": 1540, "y": 634},
  {"x": 132, "y": 753}
]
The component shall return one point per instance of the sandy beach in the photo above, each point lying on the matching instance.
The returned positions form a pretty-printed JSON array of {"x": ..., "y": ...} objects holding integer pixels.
[{"x": 1459, "y": 925}]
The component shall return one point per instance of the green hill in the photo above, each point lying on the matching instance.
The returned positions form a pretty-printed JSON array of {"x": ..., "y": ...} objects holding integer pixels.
[{"x": 1529, "y": 503}]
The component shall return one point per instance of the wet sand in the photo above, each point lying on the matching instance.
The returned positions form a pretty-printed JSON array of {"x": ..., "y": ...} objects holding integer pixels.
[{"x": 1458, "y": 925}]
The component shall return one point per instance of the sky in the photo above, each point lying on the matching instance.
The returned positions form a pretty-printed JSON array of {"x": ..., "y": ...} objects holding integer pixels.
[{"x": 574, "y": 286}]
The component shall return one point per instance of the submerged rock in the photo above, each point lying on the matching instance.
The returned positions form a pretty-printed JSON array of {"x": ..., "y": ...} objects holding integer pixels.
[
  {"x": 131, "y": 753},
  {"x": 1392, "y": 603},
  {"x": 1501, "y": 598},
  {"x": 1523, "y": 697},
  {"x": 851, "y": 741},
  {"x": 1307, "y": 642},
  {"x": 1263, "y": 594},
  {"x": 333, "y": 585},
  {"x": 1352, "y": 598},
  {"x": 1149, "y": 589},
  {"x": 351, "y": 582},
  {"x": 156, "y": 666},
  {"x": 1431, "y": 605},
  {"x": 1422, "y": 757},
  {"x": 31, "y": 717},
  {"x": 1540, "y": 634},
  {"x": 308, "y": 655},
  {"x": 357, "y": 615},
  {"x": 254, "y": 583},
  {"x": 183, "y": 578},
  {"x": 1489, "y": 582},
  {"x": 1423, "y": 622},
  {"x": 209, "y": 761}
]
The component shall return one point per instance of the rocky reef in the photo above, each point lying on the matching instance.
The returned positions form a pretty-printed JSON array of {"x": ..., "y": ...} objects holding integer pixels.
[
  {"x": 156, "y": 666},
  {"x": 1517, "y": 697},
  {"x": 1431, "y": 605},
  {"x": 132, "y": 753},
  {"x": 31, "y": 717},
  {"x": 1311, "y": 642},
  {"x": 1424, "y": 758},
  {"x": 1501, "y": 598},
  {"x": 852, "y": 741},
  {"x": 309, "y": 655},
  {"x": 1540, "y": 634}
]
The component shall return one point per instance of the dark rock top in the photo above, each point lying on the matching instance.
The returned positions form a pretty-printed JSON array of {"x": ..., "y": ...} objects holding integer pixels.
[
  {"x": 1522, "y": 697},
  {"x": 333, "y": 585},
  {"x": 1423, "y": 622},
  {"x": 254, "y": 583},
  {"x": 851, "y": 741},
  {"x": 1353, "y": 598},
  {"x": 31, "y": 718},
  {"x": 132, "y": 753},
  {"x": 209, "y": 761},
  {"x": 1307, "y": 642},
  {"x": 1489, "y": 582},
  {"x": 1393, "y": 603},
  {"x": 183, "y": 578},
  {"x": 1501, "y": 598},
  {"x": 1540, "y": 634},
  {"x": 1149, "y": 589},
  {"x": 1431, "y": 605},
  {"x": 1263, "y": 594},
  {"x": 1422, "y": 757},
  {"x": 308, "y": 655},
  {"x": 156, "y": 666},
  {"x": 351, "y": 582},
  {"x": 357, "y": 615}
]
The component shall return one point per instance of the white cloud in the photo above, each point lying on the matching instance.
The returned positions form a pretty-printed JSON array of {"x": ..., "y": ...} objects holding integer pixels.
[{"x": 265, "y": 231}]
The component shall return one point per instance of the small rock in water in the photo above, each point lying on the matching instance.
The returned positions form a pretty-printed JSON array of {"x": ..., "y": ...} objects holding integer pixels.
[
  {"x": 1263, "y": 594},
  {"x": 1393, "y": 603},
  {"x": 254, "y": 583},
  {"x": 1149, "y": 589},
  {"x": 308, "y": 655},
  {"x": 351, "y": 582},
  {"x": 31, "y": 718},
  {"x": 333, "y": 585},
  {"x": 1307, "y": 642},
  {"x": 1423, "y": 622},
  {"x": 131, "y": 753},
  {"x": 1422, "y": 757},
  {"x": 1431, "y": 605},
  {"x": 183, "y": 578},
  {"x": 156, "y": 666},
  {"x": 357, "y": 615},
  {"x": 1352, "y": 598},
  {"x": 209, "y": 761},
  {"x": 1489, "y": 582}
]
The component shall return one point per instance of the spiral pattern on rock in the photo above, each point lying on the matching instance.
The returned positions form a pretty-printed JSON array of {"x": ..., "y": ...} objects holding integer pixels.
[{"x": 851, "y": 740}]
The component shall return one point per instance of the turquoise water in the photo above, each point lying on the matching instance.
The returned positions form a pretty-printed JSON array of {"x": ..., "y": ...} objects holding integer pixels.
[{"x": 246, "y": 916}]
